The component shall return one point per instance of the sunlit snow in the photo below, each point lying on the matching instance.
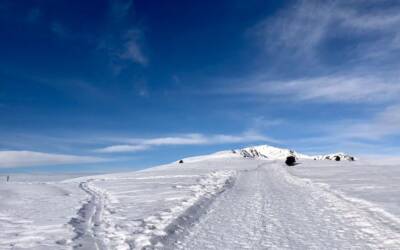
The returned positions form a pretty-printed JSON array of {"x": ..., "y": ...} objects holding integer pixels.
[{"x": 218, "y": 201}]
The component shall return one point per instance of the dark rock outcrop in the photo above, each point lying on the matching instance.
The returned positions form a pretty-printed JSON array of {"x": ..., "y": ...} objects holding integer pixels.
[{"x": 290, "y": 160}]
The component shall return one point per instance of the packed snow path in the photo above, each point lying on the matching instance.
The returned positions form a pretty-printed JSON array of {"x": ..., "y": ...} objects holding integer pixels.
[{"x": 267, "y": 208}]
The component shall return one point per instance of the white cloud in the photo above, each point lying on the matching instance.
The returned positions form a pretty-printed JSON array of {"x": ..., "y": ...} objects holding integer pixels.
[
  {"x": 385, "y": 123},
  {"x": 301, "y": 40},
  {"x": 306, "y": 24},
  {"x": 331, "y": 88},
  {"x": 367, "y": 135},
  {"x": 190, "y": 139},
  {"x": 300, "y": 27},
  {"x": 340, "y": 87},
  {"x": 123, "y": 148},
  {"x": 200, "y": 139},
  {"x": 11, "y": 159},
  {"x": 140, "y": 144}
]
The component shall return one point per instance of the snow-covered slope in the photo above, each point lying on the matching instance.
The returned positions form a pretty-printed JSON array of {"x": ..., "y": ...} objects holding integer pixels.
[
  {"x": 274, "y": 153},
  {"x": 219, "y": 201},
  {"x": 217, "y": 155},
  {"x": 267, "y": 152},
  {"x": 335, "y": 157},
  {"x": 270, "y": 152}
]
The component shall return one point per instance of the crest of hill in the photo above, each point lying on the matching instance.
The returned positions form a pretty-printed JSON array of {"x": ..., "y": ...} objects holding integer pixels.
[
  {"x": 270, "y": 153},
  {"x": 274, "y": 153}
]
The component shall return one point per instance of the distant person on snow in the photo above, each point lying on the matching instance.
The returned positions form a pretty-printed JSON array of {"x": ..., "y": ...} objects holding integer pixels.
[
  {"x": 8, "y": 178},
  {"x": 181, "y": 161}
]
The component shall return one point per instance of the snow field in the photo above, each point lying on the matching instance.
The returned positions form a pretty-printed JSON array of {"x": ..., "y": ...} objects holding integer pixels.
[
  {"x": 268, "y": 208},
  {"x": 35, "y": 215},
  {"x": 221, "y": 201},
  {"x": 137, "y": 210}
]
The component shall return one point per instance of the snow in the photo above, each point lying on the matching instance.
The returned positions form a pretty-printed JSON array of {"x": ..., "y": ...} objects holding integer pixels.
[
  {"x": 286, "y": 213},
  {"x": 218, "y": 201},
  {"x": 271, "y": 152},
  {"x": 139, "y": 208},
  {"x": 376, "y": 183},
  {"x": 35, "y": 215},
  {"x": 274, "y": 153},
  {"x": 337, "y": 156},
  {"x": 217, "y": 155}
]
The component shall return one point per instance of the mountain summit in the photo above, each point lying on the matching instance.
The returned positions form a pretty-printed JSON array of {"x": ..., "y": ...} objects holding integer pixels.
[
  {"x": 274, "y": 153},
  {"x": 270, "y": 153}
]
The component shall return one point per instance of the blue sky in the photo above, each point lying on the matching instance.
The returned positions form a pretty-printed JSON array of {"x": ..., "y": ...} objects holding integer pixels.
[{"x": 116, "y": 85}]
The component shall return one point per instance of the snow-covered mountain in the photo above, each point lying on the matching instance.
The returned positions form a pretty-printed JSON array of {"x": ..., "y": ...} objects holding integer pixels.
[
  {"x": 274, "y": 153},
  {"x": 337, "y": 156},
  {"x": 270, "y": 152},
  {"x": 267, "y": 152}
]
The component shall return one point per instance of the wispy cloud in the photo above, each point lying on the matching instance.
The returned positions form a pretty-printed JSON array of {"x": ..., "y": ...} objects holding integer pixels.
[
  {"x": 385, "y": 123},
  {"x": 140, "y": 144},
  {"x": 300, "y": 27},
  {"x": 12, "y": 159},
  {"x": 122, "y": 41},
  {"x": 123, "y": 49},
  {"x": 361, "y": 37},
  {"x": 374, "y": 134},
  {"x": 131, "y": 49},
  {"x": 199, "y": 139},
  {"x": 343, "y": 87},
  {"x": 304, "y": 26},
  {"x": 368, "y": 130},
  {"x": 123, "y": 148}
]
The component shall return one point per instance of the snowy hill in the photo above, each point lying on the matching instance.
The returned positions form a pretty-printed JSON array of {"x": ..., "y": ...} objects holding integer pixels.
[
  {"x": 274, "y": 153},
  {"x": 268, "y": 152},
  {"x": 336, "y": 156},
  {"x": 218, "y": 201}
]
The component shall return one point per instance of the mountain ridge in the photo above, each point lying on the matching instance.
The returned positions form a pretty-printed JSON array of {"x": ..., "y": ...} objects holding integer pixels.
[
  {"x": 265, "y": 151},
  {"x": 275, "y": 153}
]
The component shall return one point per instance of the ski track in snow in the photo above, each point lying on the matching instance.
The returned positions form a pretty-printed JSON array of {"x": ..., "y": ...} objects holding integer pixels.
[
  {"x": 93, "y": 228},
  {"x": 96, "y": 227},
  {"x": 88, "y": 220},
  {"x": 269, "y": 209},
  {"x": 207, "y": 204}
]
